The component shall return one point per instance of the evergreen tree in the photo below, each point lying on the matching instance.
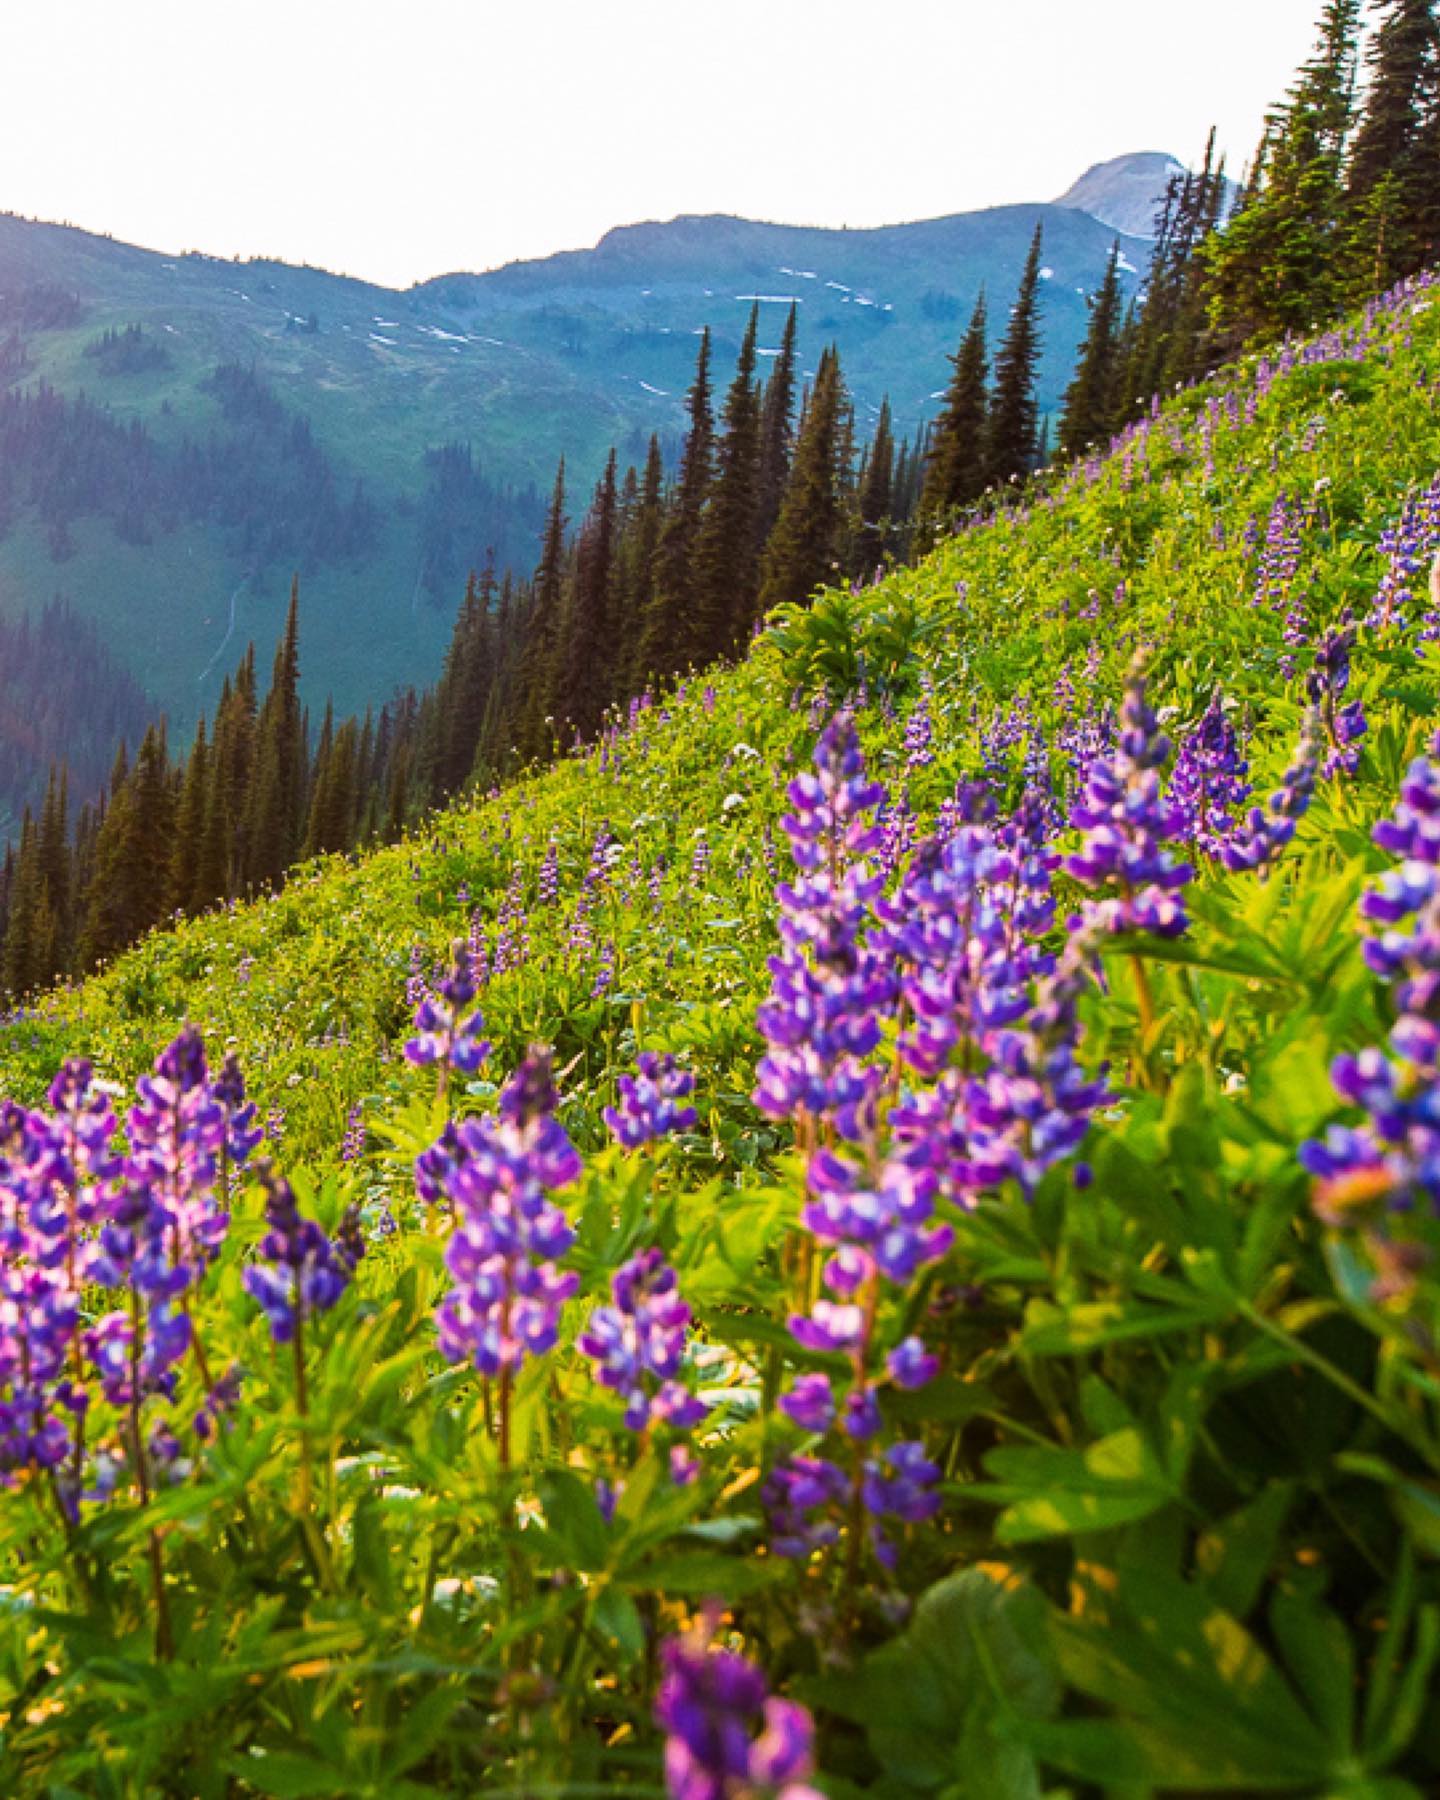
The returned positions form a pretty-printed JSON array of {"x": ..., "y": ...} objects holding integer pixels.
[
  {"x": 727, "y": 554},
  {"x": 955, "y": 463},
  {"x": 463, "y": 691},
  {"x": 803, "y": 551},
  {"x": 1279, "y": 264},
  {"x": 583, "y": 686},
  {"x": 224, "y": 867},
  {"x": 876, "y": 498},
  {"x": 23, "y": 953},
  {"x": 331, "y": 825},
  {"x": 777, "y": 433},
  {"x": 1010, "y": 440},
  {"x": 185, "y": 887},
  {"x": 276, "y": 800},
  {"x": 1393, "y": 173},
  {"x": 665, "y": 635},
  {"x": 635, "y": 578},
  {"x": 53, "y": 852},
  {"x": 542, "y": 633},
  {"x": 1090, "y": 415},
  {"x": 130, "y": 888}
]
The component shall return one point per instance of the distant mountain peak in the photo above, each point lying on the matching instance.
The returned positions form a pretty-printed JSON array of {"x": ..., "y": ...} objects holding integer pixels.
[{"x": 1126, "y": 191}]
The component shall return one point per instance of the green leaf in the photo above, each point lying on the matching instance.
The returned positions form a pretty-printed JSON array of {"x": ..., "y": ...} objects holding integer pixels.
[
  {"x": 574, "y": 1519},
  {"x": 1052, "y": 1493},
  {"x": 1235, "y": 1555}
]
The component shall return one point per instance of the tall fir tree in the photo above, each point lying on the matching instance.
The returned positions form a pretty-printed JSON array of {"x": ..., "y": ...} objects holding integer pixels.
[
  {"x": 803, "y": 551},
  {"x": 130, "y": 888},
  {"x": 1393, "y": 173},
  {"x": 542, "y": 634},
  {"x": 1011, "y": 440},
  {"x": 1279, "y": 265},
  {"x": 1091, "y": 400},
  {"x": 635, "y": 575},
  {"x": 276, "y": 800},
  {"x": 777, "y": 431},
  {"x": 956, "y": 461},
  {"x": 727, "y": 555},
  {"x": 664, "y": 631},
  {"x": 185, "y": 887},
  {"x": 582, "y": 687},
  {"x": 876, "y": 497}
]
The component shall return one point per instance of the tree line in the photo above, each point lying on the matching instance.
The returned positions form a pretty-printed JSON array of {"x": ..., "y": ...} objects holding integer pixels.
[{"x": 1341, "y": 201}]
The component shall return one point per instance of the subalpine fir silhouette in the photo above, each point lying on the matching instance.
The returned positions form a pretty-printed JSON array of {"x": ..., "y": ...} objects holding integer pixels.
[
  {"x": 956, "y": 462},
  {"x": 1394, "y": 171},
  {"x": 665, "y": 629},
  {"x": 777, "y": 433},
  {"x": 875, "y": 527},
  {"x": 804, "y": 548},
  {"x": 534, "y": 726},
  {"x": 727, "y": 557},
  {"x": 1092, "y": 399},
  {"x": 582, "y": 685},
  {"x": 1012, "y": 440}
]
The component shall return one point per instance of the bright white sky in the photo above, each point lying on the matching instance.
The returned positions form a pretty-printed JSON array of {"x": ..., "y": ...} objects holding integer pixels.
[{"x": 399, "y": 139}]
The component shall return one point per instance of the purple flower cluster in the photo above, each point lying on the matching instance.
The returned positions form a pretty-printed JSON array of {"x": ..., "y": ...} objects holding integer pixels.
[
  {"x": 638, "y": 1344},
  {"x": 1128, "y": 821},
  {"x": 497, "y": 1174},
  {"x": 1326, "y": 684},
  {"x": 829, "y": 992},
  {"x": 1262, "y": 837},
  {"x": 1408, "y": 547},
  {"x": 447, "y": 1031},
  {"x": 726, "y": 1736},
  {"x": 83, "y": 1214},
  {"x": 650, "y": 1102},
  {"x": 1384, "y": 1173},
  {"x": 302, "y": 1271},
  {"x": 1210, "y": 781}
]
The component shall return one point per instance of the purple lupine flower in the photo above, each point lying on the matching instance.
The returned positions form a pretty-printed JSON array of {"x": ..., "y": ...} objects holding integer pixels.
[
  {"x": 920, "y": 733},
  {"x": 1384, "y": 1174},
  {"x": 810, "y": 1403},
  {"x": 1031, "y": 1108},
  {"x": 911, "y": 1365},
  {"x": 1128, "y": 822},
  {"x": 726, "y": 1736},
  {"x": 1408, "y": 547},
  {"x": 1280, "y": 556},
  {"x": 604, "y": 971},
  {"x": 1260, "y": 839},
  {"x": 1326, "y": 684},
  {"x": 447, "y": 1031},
  {"x": 1210, "y": 781},
  {"x": 638, "y": 1344},
  {"x": 802, "y": 1497},
  {"x": 242, "y": 1134},
  {"x": 902, "y": 1484},
  {"x": 649, "y": 1103},
  {"x": 497, "y": 1174},
  {"x": 829, "y": 993},
  {"x": 352, "y": 1144},
  {"x": 303, "y": 1270}
]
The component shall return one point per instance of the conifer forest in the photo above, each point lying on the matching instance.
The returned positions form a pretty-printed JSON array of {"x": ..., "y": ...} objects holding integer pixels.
[{"x": 816, "y": 1172}]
